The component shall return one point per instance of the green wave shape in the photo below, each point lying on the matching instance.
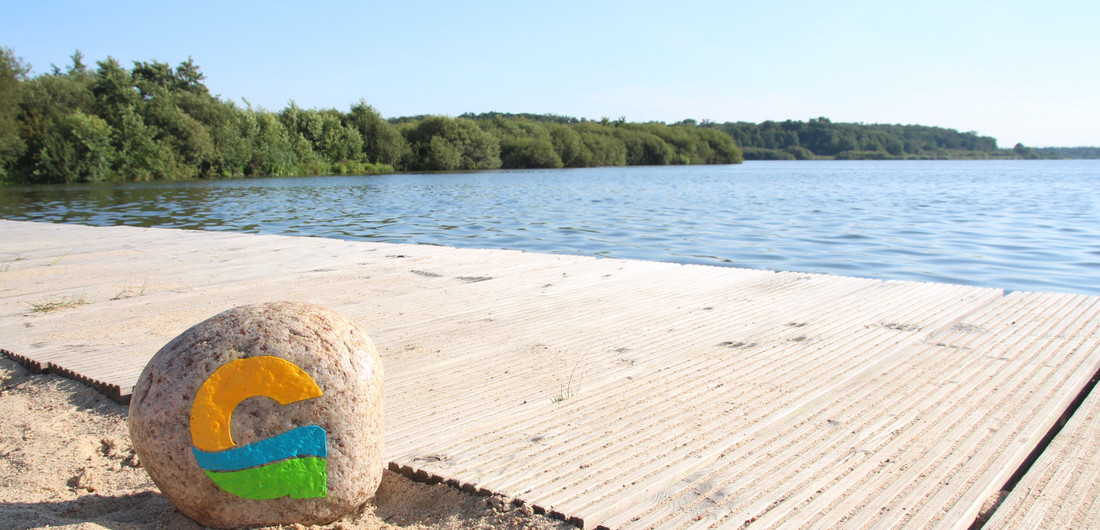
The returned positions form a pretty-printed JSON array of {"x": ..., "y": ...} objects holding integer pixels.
[{"x": 298, "y": 478}]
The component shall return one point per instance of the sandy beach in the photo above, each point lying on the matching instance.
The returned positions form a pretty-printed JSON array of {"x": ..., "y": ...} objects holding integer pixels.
[{"x": 66, "y": 462}]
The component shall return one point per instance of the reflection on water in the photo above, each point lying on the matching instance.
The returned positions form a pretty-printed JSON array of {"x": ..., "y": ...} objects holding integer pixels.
[{"x": 1020, "y": 225}]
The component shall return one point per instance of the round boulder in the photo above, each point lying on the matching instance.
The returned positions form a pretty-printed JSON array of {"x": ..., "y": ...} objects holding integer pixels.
[{"x": 266, "y": 414}]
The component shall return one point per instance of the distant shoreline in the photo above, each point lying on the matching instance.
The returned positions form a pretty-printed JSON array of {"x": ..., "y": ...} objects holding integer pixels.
[{"x": 156, "y": 122}]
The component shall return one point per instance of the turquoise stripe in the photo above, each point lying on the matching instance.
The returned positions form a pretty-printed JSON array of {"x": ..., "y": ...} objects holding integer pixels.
[{"x": 303, "y": 441}]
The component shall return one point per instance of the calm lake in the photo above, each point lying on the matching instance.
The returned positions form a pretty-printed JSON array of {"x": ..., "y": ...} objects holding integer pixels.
[{"x": 1019, "y": 225}]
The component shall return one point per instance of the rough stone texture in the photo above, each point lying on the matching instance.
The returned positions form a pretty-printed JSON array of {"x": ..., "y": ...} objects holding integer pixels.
[{"x": 331, "y": 349}]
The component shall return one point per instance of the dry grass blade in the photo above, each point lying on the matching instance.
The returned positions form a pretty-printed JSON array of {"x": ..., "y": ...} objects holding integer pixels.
[
  {"x": 129, "y": 291},
  {"x": 57, "y": 305}
]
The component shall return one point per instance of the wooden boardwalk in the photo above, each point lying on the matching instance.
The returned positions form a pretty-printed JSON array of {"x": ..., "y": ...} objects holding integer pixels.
[
  {"x": 1062, "y": 488},
  {"x": 614, "y": 393}
]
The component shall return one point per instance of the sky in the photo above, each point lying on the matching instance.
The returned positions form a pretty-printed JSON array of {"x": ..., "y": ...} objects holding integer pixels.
[{"x": 1025, "y": 72}]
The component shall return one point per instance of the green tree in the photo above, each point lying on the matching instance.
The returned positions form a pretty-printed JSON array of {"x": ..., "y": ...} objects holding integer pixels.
[
  {"x": 153, "y": 79},
  {"x": 188, "y": 139},
  {"x": 528, "y": 153},
  {"x": 722, "y": 148},
  {"x": 188, "y": 78},
  {"x": 12, "y": 72},
  {"x": 77, "y": 67},
  {"x": 118, "y": 102},
  {"x": 643, "y": 148},
  {"x": 894, "y": 146},
  {"x": 338, "y": 142},
  {"x": 273, "y": 153},
  {"x": 305, "y": 131},
  {"x": 524, "y": 143},
  {"x": 140, "y": 157},
  {"x": 799, "y": 153},
  {"x": 230, "y": 142},
  {"x": 1024, "y": 151},
  {"x": 113, "y": 89},
  {"x": 441, "y": 143},
  {"x": 382, "y": 143},
  {"x": 441, "y": 155},
  {"x": 568, "y": 144},
  {"x": 601, "y": 146},
  {"x": 78, "y": 151},
  {"x": 306, "y": 123},
  {"x": 46, "y": 102}
]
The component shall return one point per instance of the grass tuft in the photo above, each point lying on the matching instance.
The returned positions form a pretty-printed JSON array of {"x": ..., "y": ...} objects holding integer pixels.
[
  {"x": 7, "y": 265},
  {"x": 59, "y": 258},
  {"x": 568, "y": 390},
  {"x": 129, "y": 291},
  {"x": 57, "y": 305}
]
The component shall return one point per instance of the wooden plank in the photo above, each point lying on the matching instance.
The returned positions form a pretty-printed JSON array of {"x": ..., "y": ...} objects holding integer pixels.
[
  {"x": 611, "y": 392},
  {"x": 1061, "y": 488}
]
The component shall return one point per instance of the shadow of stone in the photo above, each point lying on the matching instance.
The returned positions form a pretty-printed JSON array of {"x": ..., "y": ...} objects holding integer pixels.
[
  {"x": 84, "y": 398},
  {"x": 143, "y": 510},
  {"x": 400, "y": 503}
]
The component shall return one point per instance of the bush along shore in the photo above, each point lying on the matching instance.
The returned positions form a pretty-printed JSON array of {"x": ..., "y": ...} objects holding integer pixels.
[{"x": 154, "y": 121}]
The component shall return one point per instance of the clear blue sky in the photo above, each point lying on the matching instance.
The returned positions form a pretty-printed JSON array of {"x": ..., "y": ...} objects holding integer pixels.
[{"x": 1018, "y": 71}]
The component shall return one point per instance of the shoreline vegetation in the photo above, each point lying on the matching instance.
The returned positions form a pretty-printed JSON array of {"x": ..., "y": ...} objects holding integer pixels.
[{"x": 156, "y": 122}]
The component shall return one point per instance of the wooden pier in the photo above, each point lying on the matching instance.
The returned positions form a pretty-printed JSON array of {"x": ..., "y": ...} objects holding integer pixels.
[{"x": 626, "y": 394}]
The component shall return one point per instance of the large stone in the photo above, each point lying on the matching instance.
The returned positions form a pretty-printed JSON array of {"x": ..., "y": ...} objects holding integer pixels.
[{"x": 282, "y": 405}]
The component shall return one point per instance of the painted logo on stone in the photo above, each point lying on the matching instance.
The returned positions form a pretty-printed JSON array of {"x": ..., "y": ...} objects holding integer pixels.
[{"x": 291, "y": 464}]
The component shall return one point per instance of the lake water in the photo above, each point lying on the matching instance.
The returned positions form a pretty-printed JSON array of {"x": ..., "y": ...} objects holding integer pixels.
[{"x": 1019, "y": 225}]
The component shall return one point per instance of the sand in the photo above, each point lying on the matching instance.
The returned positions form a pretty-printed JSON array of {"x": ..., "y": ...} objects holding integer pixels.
[{"x": 66, "y": 462}]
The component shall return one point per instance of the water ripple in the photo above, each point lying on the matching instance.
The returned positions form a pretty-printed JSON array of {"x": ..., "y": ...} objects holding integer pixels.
[{"x": 1018, "y": 225}]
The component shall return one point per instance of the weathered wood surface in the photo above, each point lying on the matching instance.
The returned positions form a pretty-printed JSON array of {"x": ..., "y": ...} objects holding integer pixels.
[
  {"x": 610, "y": 392},
  {"x": 1062, "y": 488}
]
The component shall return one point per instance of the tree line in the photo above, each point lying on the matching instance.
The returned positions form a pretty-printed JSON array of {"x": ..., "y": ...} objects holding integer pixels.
[
  {"x": 155, "y": 121},
  {"x": 1060, "y": 152},
  {"x": 821, "y": 138}
]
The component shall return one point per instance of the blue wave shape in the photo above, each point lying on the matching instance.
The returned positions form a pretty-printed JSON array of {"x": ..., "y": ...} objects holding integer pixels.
[{"x": 303, "y": 441}]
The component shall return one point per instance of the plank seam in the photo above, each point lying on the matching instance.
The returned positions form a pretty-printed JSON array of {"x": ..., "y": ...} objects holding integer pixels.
[{"x": 1037, "y": 451}]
